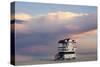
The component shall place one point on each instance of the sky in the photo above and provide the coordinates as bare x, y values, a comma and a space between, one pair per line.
38, 28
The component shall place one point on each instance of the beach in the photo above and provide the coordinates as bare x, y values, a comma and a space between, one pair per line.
79, 58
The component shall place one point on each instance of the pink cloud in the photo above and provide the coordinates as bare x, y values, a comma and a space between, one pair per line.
22, 58
54, 21
50, 49
86, 33
21, 26
72, 27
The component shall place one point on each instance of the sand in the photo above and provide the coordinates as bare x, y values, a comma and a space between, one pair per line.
79, 58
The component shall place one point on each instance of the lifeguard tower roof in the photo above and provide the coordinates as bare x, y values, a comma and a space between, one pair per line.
62, 41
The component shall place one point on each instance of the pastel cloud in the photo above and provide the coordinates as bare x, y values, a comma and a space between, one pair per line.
22, 28
88, 44
20, 22
87, 33
59, 16
38, 50
62, 15
22, 58
45, 30
87, 41
57, 20
22, 16
57, 27
72, 27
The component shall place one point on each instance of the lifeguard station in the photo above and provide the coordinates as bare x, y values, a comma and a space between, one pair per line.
66, 49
